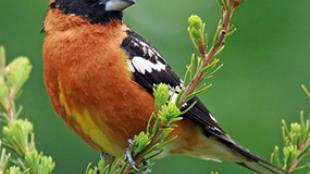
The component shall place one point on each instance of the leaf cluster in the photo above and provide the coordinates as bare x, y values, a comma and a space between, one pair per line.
296, 140
18, 154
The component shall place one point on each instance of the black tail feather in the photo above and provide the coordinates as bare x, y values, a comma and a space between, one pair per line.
251, 161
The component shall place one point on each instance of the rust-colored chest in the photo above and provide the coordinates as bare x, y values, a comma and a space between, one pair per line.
89, 83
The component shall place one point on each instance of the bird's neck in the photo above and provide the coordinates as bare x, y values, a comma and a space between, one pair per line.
94, 14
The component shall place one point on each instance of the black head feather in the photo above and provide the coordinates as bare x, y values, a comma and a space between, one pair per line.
92, 10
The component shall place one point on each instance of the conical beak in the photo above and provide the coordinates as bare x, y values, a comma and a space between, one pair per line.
117, 5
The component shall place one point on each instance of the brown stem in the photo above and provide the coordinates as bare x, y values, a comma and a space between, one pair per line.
301, 151
207, 57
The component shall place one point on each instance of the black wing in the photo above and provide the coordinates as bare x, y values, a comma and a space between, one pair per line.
149, 69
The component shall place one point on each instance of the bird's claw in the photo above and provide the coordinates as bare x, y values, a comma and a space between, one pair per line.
132, 162
129, 157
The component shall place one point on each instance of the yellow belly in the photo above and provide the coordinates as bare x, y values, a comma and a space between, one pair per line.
85, 126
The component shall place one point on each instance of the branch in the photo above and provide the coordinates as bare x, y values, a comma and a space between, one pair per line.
208, 56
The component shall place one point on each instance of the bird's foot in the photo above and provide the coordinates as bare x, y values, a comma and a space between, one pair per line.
130, 159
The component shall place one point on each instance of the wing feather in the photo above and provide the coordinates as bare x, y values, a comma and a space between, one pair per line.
150, 69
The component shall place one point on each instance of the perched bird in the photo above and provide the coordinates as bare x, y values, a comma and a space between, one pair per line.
100, 75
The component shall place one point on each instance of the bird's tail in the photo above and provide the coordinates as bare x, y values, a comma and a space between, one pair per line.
253, 162
262, 167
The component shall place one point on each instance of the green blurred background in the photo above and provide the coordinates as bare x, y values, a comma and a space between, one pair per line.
265, 63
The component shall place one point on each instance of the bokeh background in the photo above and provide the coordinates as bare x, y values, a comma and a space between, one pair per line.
265, 63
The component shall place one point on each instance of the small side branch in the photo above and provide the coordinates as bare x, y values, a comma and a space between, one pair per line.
207, 57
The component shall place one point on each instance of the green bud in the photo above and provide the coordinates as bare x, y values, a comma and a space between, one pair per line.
195, 33
32, 161
18, 134
102, 165
161, 95
101, 168
17, 73
196, 28
47, 165
169, 113
37, 163
295, 133
14, 170
295, 127
92, 171
141, 141
195, 21
290, 154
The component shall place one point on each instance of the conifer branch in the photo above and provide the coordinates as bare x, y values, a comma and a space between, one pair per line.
296, 138
17, 133
199, 40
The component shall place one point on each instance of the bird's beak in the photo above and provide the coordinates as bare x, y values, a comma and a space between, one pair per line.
117, 5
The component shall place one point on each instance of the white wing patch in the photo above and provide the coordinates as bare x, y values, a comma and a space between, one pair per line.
143, 65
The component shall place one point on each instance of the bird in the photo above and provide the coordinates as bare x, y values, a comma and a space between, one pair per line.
100, 75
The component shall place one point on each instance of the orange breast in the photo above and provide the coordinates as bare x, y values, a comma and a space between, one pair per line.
89, 83
90, 86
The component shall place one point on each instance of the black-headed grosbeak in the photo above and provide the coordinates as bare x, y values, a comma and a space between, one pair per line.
100, 76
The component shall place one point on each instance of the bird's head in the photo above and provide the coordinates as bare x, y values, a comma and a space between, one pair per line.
97, 11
